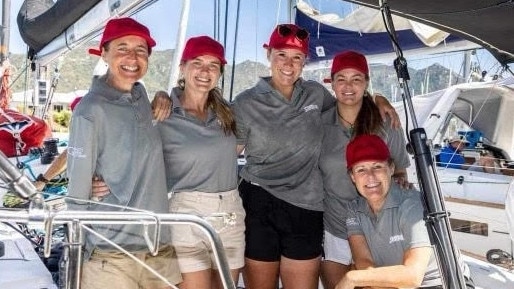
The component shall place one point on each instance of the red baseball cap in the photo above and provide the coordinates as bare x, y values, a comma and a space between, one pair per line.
289, 36
203, 45
120, 27
348, 59
366, 147
75, 102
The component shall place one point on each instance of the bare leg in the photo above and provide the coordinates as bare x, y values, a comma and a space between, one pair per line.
217, 280
260, 275
196, 280
300, 274
332, 273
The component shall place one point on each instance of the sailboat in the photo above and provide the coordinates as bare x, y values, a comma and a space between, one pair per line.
89, 19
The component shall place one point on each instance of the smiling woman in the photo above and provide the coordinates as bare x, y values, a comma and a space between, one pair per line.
387, 234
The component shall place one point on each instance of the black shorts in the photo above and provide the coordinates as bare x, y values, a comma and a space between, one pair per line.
275, 228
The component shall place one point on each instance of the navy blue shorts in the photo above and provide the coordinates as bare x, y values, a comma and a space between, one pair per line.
275, 228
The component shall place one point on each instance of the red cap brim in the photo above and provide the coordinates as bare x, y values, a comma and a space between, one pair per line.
95, 51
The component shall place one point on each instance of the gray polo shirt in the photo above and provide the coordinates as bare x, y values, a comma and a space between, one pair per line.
112, 137
339, 188
198, 155
283, 140
397, 227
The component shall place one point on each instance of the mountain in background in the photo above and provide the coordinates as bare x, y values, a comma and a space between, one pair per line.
77, 66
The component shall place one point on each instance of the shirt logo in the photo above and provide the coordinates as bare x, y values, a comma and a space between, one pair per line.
310, 107
397, 238
76, 152
351, 222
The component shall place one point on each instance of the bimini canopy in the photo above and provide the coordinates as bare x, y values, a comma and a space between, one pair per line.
489, 23
50, 29
40, 22
363, 30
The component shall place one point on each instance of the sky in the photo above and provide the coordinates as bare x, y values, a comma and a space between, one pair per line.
256, 21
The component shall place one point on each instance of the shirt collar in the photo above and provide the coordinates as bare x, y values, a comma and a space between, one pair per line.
103, 88
264, 86
175, 95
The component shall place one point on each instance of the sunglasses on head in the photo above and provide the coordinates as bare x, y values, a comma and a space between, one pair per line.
286, 30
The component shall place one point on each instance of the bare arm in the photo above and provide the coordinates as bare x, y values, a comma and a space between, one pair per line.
408, 274
56, 167
360, 252
386, 109
161, 105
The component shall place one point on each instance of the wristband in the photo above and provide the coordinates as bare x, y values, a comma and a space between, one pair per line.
41, 178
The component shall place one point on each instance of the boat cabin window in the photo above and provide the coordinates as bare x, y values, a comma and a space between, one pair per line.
469, 227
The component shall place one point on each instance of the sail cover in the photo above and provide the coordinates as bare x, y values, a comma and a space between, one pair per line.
40, 21
489, 23
363, 30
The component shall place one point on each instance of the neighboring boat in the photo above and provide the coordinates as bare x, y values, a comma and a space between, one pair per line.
475, 200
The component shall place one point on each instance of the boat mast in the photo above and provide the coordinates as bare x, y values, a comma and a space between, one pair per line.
5, 36
181, 36
466, 65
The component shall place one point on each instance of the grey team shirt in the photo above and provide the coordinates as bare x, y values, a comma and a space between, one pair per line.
283, 140
198, 155
339, 188
398, 226
112, 137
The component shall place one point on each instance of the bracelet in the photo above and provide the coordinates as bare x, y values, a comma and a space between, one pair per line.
41, 178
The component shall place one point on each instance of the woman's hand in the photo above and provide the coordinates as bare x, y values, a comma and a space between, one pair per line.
386, 109
39, 185
99, 190
161, 105
400, 177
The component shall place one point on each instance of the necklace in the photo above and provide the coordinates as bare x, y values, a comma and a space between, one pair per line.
351, 125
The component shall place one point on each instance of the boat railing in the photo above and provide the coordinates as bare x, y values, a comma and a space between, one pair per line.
40, 214
77, 223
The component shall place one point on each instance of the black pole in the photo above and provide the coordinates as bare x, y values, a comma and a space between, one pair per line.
436, 215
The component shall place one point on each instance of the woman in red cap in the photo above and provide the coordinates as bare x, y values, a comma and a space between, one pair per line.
112, 137
201, 165
354, 114
279, 126
200, 158
386, 228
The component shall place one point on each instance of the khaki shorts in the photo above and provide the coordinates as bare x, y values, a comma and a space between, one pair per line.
192, 245
108, 269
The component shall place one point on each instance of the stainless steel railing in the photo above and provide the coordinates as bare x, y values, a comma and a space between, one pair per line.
78, 221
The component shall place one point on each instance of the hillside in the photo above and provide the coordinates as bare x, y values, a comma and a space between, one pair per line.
77, 67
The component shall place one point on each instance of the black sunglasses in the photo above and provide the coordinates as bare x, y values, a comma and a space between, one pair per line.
286, 30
